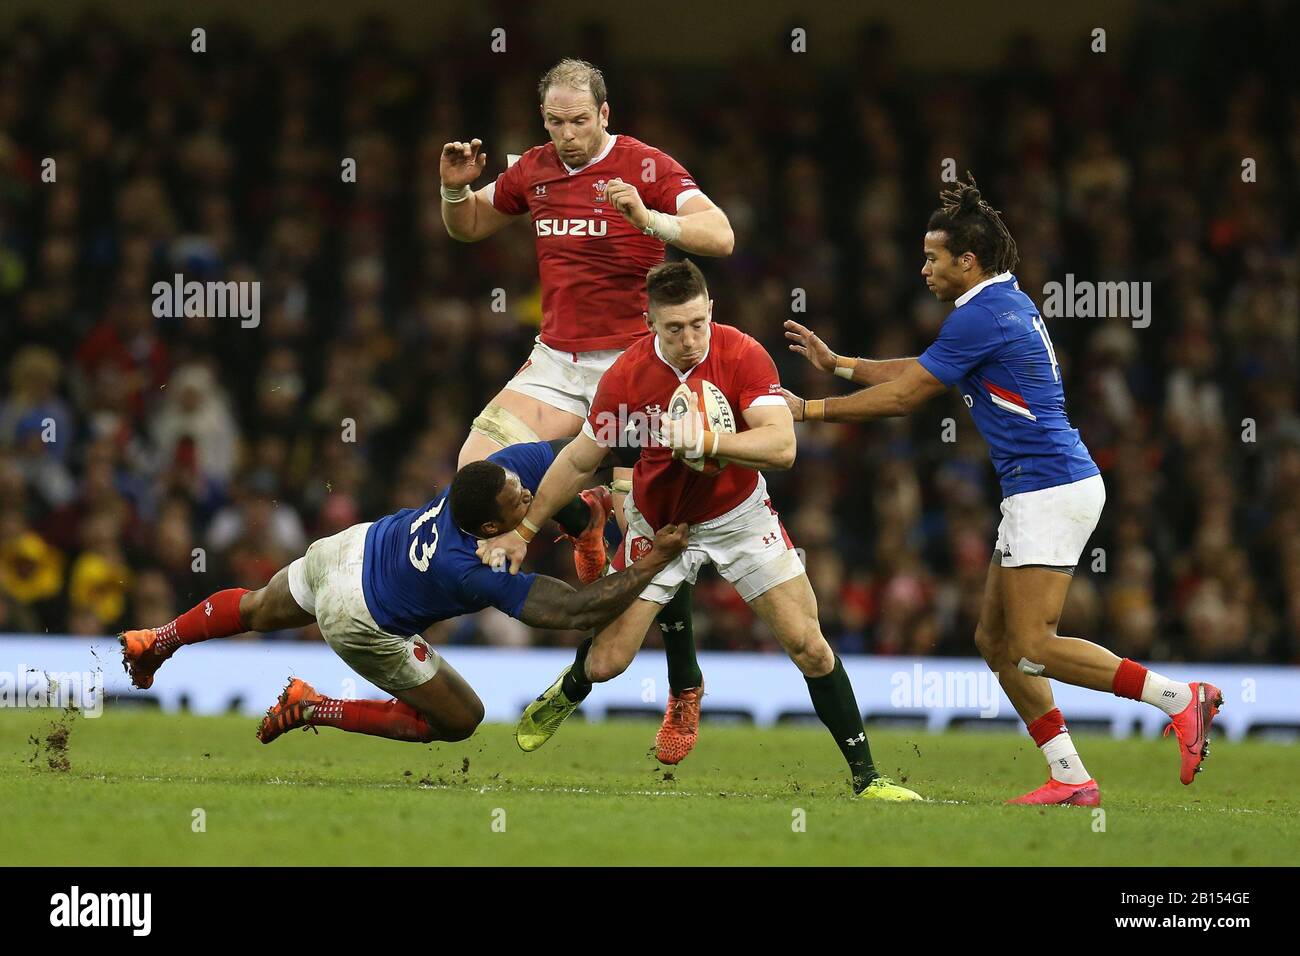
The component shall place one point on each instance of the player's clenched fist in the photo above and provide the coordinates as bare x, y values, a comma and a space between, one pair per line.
625, 198
671, 540
461, 163
685, 435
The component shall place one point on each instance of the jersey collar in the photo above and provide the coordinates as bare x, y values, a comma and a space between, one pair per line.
682, 376
595, 159
977, 289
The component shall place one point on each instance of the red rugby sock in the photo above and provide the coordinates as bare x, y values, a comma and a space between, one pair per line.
1129, 678
218, 616
1047, 726
378, 718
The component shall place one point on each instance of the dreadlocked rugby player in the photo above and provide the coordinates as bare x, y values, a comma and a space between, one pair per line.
375, 587
700, 465
995, 348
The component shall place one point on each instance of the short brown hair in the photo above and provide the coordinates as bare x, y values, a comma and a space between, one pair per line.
576, 75
672, 283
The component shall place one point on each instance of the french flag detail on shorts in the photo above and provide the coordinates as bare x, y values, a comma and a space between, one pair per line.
1009, 400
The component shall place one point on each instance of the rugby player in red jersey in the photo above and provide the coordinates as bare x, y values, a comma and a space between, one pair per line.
602, 207
676, 480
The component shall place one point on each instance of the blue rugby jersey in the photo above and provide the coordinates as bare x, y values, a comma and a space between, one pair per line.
419, 568
995, 348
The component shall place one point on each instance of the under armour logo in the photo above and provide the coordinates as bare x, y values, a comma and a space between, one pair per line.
679, 626
207, 608
539, 190
859, 739
769, 538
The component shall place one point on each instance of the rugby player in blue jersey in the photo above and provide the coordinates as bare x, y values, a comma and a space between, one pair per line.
374, 587
995, 349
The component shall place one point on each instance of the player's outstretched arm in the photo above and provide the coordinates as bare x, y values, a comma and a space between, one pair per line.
573, 469
469, 216
901, 396
860, 371
553, 604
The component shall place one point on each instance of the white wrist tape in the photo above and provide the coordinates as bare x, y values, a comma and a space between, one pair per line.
457, 194
844, 371
663, 227
698, 450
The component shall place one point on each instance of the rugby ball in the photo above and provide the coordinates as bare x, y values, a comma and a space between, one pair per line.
718, 417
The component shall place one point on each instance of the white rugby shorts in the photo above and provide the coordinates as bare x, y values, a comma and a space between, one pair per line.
563, 380
326, 581
748, 545
1050, 526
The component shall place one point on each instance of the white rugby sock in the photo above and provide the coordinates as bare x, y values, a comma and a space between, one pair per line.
1064, 761
1171, 696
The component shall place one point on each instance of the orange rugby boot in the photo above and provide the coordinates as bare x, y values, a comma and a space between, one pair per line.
589, 556
681, 726
290, 712
141, 656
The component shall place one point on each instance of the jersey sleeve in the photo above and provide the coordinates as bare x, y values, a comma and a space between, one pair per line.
482, 587
759, 383
968, 337
507, 192
670, 186
603, 423
528, 460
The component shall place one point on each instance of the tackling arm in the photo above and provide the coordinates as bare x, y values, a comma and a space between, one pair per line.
553, 604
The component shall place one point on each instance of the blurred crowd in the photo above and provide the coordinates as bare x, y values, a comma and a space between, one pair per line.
146, 462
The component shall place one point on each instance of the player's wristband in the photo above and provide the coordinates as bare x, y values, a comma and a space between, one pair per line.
844, 366
457, 194
528, 532
814, 410
714, 453
663, 227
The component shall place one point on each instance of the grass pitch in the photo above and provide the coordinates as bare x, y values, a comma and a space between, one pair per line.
134, 782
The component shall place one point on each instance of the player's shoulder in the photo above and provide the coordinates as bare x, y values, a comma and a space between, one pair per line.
731, 341
630, 144
536, 159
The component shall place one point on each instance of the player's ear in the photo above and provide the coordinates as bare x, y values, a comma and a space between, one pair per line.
490, 529
649, 323
604, 115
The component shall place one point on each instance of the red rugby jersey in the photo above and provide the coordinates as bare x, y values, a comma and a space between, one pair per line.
591, 260
636, 389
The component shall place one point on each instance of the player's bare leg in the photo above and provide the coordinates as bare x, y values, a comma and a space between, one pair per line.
444, 707
1068, 781
599, 658
513, 417
228, 612
790, 611
1033, 598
